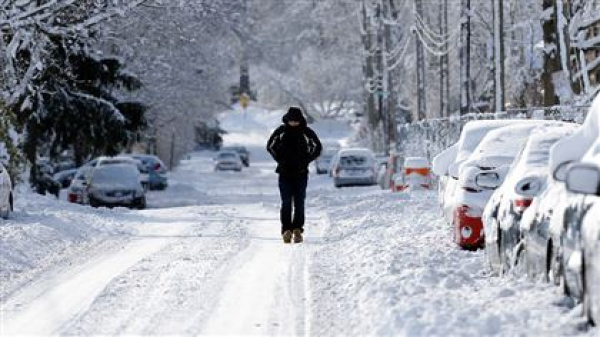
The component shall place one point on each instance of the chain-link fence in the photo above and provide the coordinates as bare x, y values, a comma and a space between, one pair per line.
429, 137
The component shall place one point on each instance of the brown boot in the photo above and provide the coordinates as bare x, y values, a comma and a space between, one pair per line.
298, 236
287, 237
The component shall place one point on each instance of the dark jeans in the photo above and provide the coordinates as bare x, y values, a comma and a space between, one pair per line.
293, 192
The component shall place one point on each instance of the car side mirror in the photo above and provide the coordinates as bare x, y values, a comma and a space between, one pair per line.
560, 173
487, 180
529, 186
583, 178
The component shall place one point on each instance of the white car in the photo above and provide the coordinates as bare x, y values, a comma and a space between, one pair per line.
143, 170
354, 166
76, 192
526, 180
228, 161
6, 196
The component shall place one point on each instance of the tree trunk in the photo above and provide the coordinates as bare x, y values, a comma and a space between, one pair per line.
465, 57
421, 86
499, 99
551, 62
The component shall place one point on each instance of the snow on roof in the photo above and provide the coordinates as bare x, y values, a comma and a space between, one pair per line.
416, 162
575, 146
536, 153
355, 151
500, 147
474, 131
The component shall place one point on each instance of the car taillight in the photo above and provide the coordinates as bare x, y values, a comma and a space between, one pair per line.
466, 210
156, 166
520, 205
72, 197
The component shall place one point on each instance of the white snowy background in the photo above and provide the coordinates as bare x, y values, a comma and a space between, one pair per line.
206, 258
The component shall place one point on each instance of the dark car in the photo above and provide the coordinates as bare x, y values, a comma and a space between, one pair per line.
116, 185
242, 151
65, 177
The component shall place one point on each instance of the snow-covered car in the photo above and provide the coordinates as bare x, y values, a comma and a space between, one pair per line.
448, 166
440, 165
481, 174
323, 162
76, 191
116, 185
354, 166
527, 178
571, 160
65, 177
123, 159
6, 194
590, 233
581, 234
242, 151
228, 161
157, 170
415, 175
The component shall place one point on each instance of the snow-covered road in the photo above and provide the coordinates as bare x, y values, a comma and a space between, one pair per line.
207, 258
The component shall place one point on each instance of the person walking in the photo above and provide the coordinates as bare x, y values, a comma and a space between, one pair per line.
293, 145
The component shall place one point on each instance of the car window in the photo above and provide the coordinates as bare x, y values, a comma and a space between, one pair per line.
353, 161
115, 174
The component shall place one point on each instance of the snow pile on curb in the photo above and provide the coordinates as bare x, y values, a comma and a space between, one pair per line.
43, 231
388, 267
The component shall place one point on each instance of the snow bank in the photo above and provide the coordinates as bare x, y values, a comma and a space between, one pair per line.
388, 266
42, 232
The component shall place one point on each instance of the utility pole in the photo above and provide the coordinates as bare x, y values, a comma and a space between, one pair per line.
441, 60
172, 156
382, 79
499, 100
244, 63
465, 57
446, 61
391, 102
421, 86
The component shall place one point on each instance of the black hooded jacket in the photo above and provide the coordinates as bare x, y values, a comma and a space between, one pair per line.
294, 147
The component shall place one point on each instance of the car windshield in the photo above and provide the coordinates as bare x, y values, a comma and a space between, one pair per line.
354, 161
227, 155
116, 175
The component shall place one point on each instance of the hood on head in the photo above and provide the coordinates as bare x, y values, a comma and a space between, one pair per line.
294, 114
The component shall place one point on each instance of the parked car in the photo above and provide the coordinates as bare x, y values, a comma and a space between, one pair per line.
242, 151
590, 235
527, 179
481, 174
415, 175
76, 192
439, 167
447, 165
323, 162
116, 185
228, 161
157, 171
6, 193
65, 177
355, 166
124, 159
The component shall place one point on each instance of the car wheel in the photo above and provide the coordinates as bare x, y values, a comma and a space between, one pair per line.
142, 203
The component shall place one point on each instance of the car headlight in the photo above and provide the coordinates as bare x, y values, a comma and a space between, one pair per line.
466, 232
